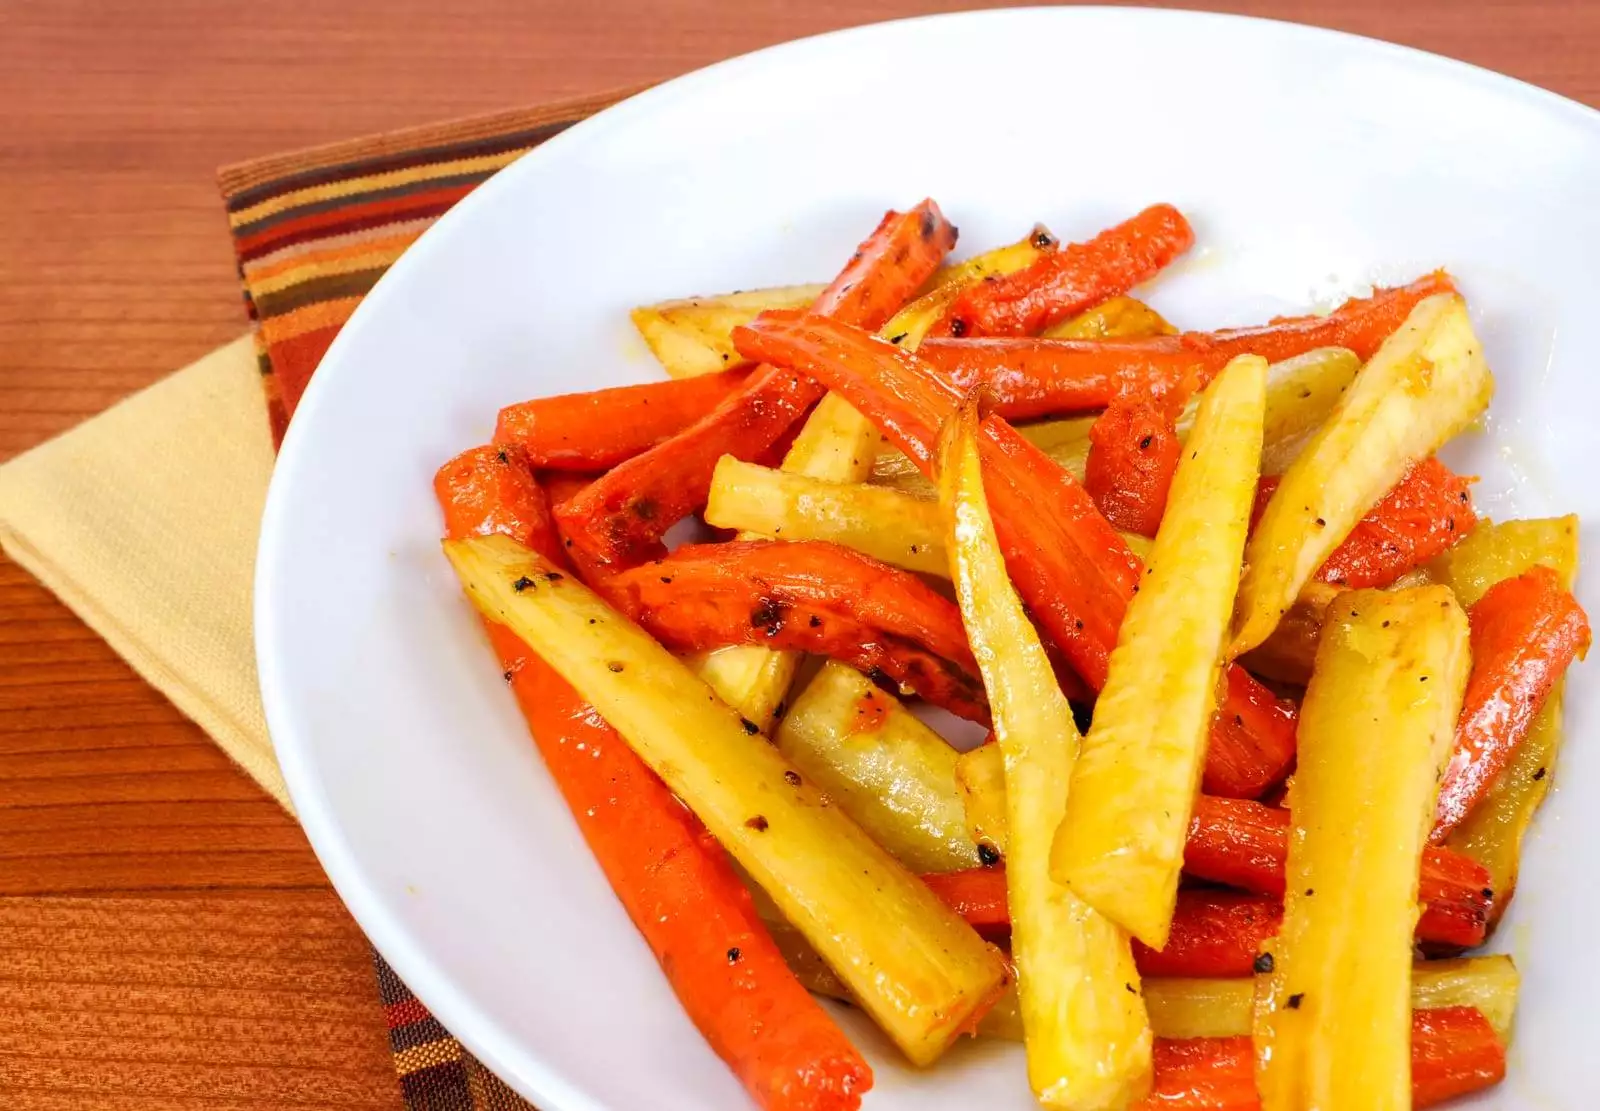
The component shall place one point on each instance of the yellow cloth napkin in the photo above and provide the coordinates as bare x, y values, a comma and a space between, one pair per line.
144, 520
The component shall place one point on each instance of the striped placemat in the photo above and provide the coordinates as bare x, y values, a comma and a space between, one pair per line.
313, 231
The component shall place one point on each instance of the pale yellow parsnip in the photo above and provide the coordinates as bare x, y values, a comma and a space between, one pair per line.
1120, 846
981, 780
1426, 383
1087, 1038
877, 760
694, 336
915, 967
1376, 727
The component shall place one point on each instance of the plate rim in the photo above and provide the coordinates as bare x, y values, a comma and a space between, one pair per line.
521, 1067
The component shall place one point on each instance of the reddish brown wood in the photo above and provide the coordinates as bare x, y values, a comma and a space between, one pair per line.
115, 268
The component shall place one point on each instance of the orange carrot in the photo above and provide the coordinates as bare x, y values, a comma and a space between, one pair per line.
601, 428
676, 884
1217, 933
1029, 377
618, 521
1245, 844
1133, 454
1076, 277
1525, 631
977, 894
1070, 566
1454, 1051
1424, 513
811, 596
564, 485
1214, 933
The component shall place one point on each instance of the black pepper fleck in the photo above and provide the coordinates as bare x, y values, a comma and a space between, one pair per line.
615, 666
501, 455
733, 955
750, 727
792, 778
1263, 964
1295, 1000
522, 584
758, 823
553, 576
815, 622
897, 339
1144, 444
987, 856
1538, 775
958, 327
1488, 893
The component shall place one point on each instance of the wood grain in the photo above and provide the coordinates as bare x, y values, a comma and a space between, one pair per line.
244, 986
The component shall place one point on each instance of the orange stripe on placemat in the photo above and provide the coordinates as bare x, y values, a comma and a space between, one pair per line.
333, 245
360, 254
445, 1051
360, 214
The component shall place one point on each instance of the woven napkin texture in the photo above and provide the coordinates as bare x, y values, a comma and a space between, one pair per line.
144, 519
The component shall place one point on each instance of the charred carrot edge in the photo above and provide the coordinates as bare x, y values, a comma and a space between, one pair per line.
1245, 844
596, 430
1425, 513
810, 596
1525, 632
1454, 1051
1133, 454
674, 881
1071, 567
1029, 377
618, 521
1076, 277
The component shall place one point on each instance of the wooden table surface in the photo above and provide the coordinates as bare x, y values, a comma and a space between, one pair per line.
167, 939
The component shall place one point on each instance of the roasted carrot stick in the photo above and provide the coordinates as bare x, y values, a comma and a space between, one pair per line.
674, 881
596, 430
977, 894
1214, 933
618, 521
811, 596
564, 485
1133, 454
1525, 631
1028, 377
1425, 513
1252, 739
1245, 844
1071, 567
1454, 1051
1074, 278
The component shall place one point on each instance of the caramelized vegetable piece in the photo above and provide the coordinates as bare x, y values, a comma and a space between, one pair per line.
916, 968
1245, 844
891, 773
837, 444
1492, 833
1426, 383
618, 521
1425, 513
1087, 1039
811, 597
1213, 933
1375, 731
1118, 318
675, 883
1120, 847
1453, 1051
1027, 377
1070, 566
691, 337
1073, 278
1525, 631
1133, 455
599, 429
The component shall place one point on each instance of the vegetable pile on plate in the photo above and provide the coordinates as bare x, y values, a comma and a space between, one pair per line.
1322, 695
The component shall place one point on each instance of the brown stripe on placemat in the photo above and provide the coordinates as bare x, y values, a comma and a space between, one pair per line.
313, 231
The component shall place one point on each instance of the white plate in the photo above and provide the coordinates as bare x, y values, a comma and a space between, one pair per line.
1311, 163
